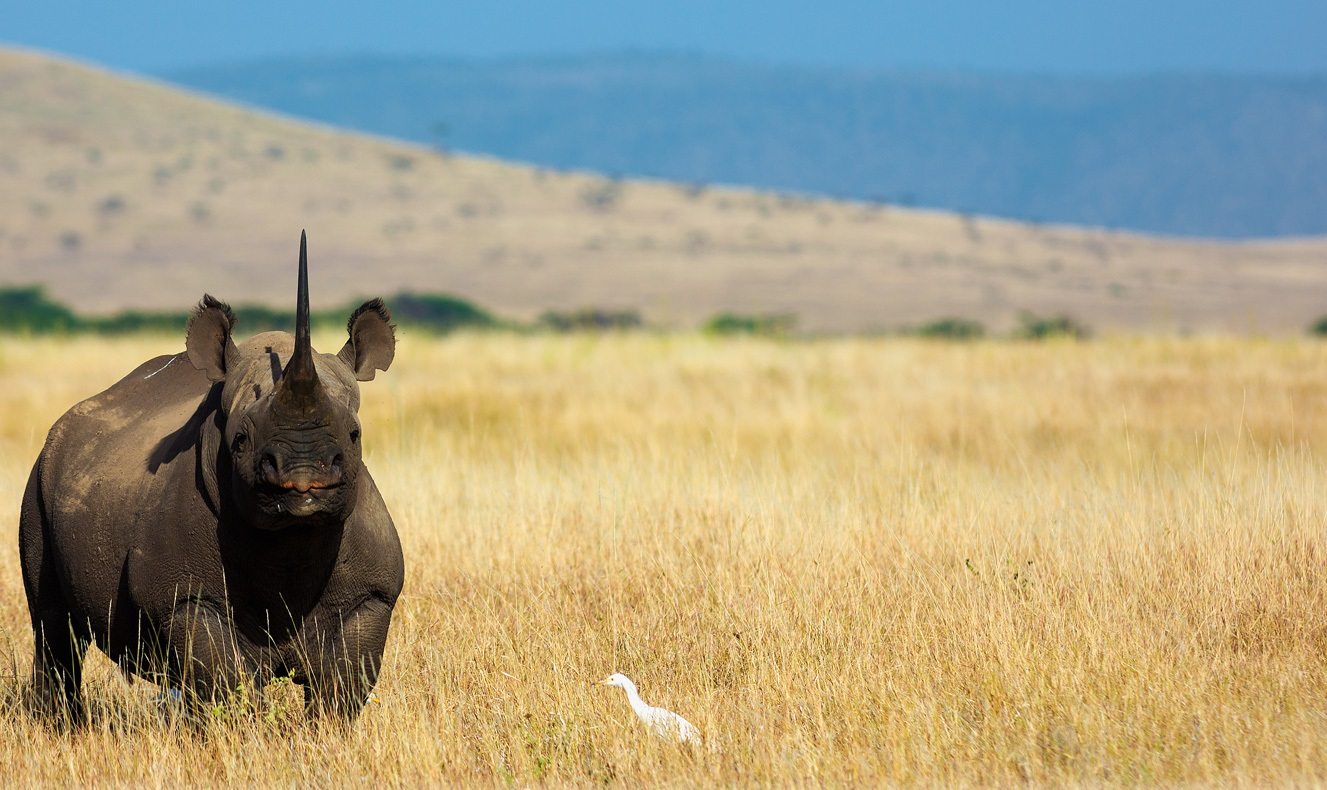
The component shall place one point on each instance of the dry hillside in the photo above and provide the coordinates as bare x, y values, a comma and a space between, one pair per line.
119, 192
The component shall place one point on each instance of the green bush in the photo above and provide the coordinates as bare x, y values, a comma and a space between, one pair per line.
139, 321
1319, 327
438, 312
26, 309
1034, 327
258, 318
951, 329
590, 319
772, 324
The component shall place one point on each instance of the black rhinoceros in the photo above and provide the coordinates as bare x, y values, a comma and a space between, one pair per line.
208, 521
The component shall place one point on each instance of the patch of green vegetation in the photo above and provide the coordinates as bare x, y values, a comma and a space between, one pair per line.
26, 309
1319, 327
135, 321
1034, 327
950, 329
258, 318
439, 312
590, 319
768, 324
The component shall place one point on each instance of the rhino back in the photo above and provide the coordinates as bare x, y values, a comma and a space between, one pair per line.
117, 476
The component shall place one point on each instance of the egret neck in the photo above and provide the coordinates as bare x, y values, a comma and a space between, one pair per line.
633, 696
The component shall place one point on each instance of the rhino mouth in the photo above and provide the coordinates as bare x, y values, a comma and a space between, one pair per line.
300, 480
300, 499
294, 487
300, 505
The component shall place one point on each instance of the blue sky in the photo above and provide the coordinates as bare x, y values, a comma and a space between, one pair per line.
1038, 36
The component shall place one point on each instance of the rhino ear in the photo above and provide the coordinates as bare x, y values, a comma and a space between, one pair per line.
208, 338
372, 343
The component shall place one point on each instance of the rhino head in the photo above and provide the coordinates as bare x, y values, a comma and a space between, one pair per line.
291, 433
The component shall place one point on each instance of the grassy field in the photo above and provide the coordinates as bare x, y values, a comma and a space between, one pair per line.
847, 561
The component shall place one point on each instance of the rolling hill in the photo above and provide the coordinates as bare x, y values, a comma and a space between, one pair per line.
121, 192
1206, 155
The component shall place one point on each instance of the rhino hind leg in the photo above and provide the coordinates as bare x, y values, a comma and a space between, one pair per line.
59, 640
57, 668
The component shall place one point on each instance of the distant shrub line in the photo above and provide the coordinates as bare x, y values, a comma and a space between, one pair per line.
1035, 327
589, 319
27, 309
770, 324
950, 329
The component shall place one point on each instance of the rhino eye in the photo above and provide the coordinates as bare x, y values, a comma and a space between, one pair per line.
240, 444
354, 435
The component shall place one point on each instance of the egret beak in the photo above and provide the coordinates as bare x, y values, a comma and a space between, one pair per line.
605, 682
373, 699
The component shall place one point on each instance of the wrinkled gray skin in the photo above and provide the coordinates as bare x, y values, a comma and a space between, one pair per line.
207, 521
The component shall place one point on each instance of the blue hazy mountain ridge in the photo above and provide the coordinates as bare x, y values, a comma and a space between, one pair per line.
1205, 155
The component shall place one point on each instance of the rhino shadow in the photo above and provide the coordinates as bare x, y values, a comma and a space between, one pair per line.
186, 437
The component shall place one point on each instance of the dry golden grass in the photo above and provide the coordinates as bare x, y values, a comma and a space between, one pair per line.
848, 562
116, 192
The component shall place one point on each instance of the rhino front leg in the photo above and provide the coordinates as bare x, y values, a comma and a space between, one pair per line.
343, 659
204, 656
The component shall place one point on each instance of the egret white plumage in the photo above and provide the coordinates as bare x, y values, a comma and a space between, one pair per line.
661, 722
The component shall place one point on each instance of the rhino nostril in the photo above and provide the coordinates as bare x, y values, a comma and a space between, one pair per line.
268, 468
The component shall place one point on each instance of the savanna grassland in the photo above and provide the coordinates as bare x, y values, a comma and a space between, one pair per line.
847, 561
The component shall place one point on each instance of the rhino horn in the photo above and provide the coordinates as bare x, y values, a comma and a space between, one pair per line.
299, 381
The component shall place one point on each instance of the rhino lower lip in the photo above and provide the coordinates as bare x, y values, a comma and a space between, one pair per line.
293, 503
298, 504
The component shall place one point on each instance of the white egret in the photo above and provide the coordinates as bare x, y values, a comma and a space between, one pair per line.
661, 722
